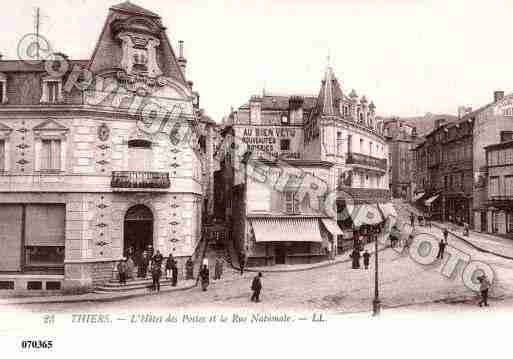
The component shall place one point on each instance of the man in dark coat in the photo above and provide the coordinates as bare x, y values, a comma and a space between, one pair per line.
174, 273
412, 220
122, 271
189, 269
144, 262
366, 259
242, 263
205, 277
256, 287
218, 269
156, 273
441, 249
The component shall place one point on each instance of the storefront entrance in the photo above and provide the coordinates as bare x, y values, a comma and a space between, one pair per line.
280, 253
138, 230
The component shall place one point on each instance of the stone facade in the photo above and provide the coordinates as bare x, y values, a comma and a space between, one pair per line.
100, 150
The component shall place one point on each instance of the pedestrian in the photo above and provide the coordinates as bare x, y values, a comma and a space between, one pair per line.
242, 262
122, 271
205, 277
366, 259
158, 258
441, 248
256, 287
465, 229
412, 220
484, 286
144, 261
356, 259
408, 241
156, 273
169, 265
130, 267
189, 269
218, 271
446, 233
419, 219
174, 274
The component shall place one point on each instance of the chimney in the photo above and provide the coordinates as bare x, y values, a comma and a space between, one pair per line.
498, 95
182, 62
255, 110
296, 109
439, 122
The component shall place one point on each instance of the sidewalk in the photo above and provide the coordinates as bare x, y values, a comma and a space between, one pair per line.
483, 242
281, 268
95, 296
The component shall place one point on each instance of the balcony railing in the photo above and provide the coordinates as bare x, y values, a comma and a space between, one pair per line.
139, 179
369, 161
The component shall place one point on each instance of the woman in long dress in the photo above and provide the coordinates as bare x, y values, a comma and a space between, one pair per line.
205, 277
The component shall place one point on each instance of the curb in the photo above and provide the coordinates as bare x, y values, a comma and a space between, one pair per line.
323, 265
99, 299
473, 245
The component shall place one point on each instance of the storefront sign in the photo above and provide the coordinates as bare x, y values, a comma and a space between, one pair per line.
276, 141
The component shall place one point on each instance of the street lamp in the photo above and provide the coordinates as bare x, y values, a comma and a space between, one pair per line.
376, 302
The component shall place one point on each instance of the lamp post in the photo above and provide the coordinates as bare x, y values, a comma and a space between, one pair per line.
376, 302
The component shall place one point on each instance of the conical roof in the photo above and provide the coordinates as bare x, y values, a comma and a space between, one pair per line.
330, 94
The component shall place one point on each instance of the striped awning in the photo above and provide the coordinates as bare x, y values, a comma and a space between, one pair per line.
332, 226
388, 209
429, 201
365, 214
286, 229
418, 196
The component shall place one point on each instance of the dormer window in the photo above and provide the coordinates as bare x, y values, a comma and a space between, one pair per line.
3, 88
52, 90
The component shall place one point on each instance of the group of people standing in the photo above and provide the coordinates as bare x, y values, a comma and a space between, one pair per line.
152, 263
204, 274
356, 255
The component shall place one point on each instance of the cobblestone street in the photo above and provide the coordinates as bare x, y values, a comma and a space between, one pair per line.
336, 288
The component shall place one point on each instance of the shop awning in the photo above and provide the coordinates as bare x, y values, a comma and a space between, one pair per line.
429, 201
286, 229
418, 196
365, 214
332, 226
388, 209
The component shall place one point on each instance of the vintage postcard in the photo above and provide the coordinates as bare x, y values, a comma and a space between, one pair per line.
239, 176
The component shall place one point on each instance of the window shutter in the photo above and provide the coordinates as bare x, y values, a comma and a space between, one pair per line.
44, 225
56, 154
45, 154
2, 155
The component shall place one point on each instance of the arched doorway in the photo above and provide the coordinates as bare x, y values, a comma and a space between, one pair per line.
138, 230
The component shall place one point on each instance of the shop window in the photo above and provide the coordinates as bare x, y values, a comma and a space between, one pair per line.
6, 285
45, 232
53, 285
51, 155
34, 285
284, 144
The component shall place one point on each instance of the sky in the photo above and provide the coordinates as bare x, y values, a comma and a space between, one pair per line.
409, 57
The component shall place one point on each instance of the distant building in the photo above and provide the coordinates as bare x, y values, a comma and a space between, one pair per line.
499, 184
277, 149
443, 171
493, 124
401, 138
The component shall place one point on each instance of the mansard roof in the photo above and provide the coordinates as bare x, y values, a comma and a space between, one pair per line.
133, 9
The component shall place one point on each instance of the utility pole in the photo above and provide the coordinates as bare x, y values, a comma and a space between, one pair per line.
37, 32
375, 302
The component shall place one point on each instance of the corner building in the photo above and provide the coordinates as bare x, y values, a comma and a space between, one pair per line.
275, 146
86, 174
